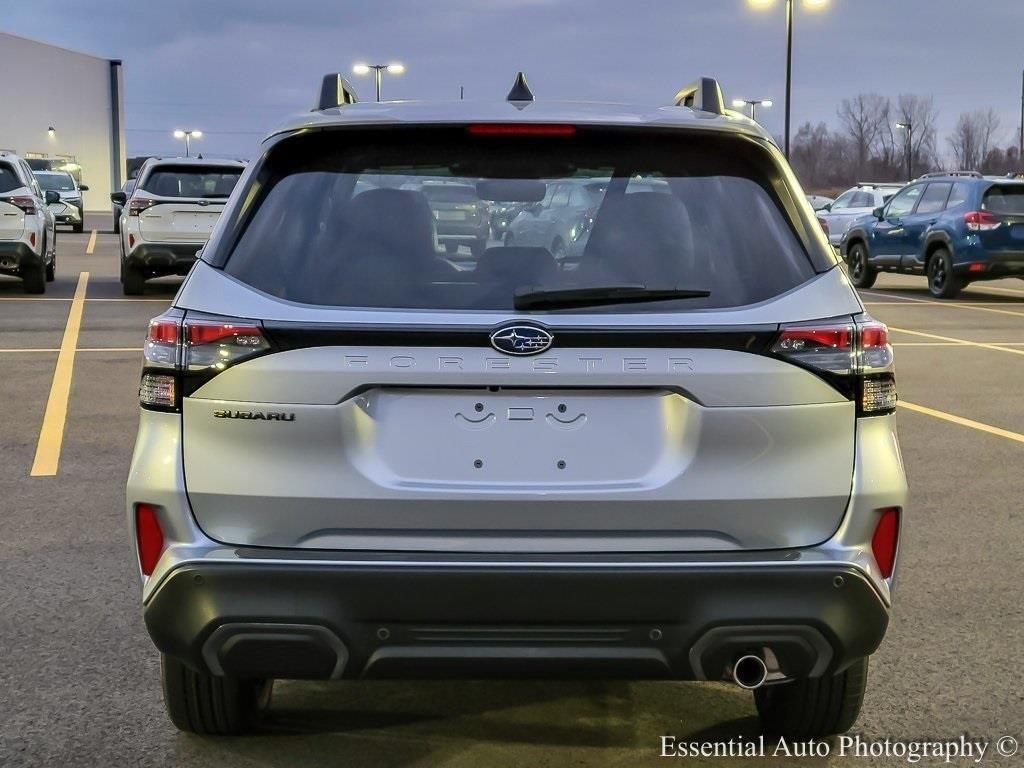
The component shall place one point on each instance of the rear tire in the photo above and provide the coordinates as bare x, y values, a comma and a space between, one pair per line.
218, 706
78, 228
51, 270
132, 281
942, 283
813, 708
862, 274
34, 279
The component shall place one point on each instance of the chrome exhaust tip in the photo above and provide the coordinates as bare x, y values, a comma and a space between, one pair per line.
750, 672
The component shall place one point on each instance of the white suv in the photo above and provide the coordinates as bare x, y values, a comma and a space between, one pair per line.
28, 240
170, 215
852, 204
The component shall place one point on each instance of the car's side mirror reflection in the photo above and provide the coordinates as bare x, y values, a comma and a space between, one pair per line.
120, 198
83, 187
878, 213
52, 197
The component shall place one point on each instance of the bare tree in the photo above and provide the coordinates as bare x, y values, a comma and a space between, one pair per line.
974, 138
863, 118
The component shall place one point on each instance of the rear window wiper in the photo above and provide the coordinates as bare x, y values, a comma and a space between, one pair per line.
600, 295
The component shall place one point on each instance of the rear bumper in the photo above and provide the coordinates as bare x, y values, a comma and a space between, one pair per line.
379, 618
157, 259
15, 255
989, 265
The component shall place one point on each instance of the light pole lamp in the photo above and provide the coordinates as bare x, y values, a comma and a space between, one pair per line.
378, 70
810, 5
908, 126
753, 104
188, 136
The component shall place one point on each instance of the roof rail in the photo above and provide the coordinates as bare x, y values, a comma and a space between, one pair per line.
704, 94
881, 184
335, 91
940, 174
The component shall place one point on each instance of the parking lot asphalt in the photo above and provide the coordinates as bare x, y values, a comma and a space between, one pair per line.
79, 681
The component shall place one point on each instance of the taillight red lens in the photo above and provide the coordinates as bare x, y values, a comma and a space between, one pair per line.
521, 129
216, 344
32, 239
27, 203
981, 221
149, 537
885, 541
138, 204
163, 331
809, 339
206, 333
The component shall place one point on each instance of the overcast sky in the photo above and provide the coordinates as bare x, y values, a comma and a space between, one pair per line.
235, 68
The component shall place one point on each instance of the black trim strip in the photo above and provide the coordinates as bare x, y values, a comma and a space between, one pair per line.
284, 336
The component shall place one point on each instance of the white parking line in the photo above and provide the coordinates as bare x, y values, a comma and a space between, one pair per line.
959, 342
971, 423
952, 305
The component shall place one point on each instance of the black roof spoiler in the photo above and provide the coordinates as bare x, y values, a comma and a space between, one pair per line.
704, 94
335, 91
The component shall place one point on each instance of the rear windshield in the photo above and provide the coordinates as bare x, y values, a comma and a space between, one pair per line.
8, 178
191, 181
55, 182
1008, 199
345, 222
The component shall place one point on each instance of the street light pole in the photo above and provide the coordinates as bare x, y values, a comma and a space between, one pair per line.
789, 70
753, 104
187, 136
908, 126
378, 72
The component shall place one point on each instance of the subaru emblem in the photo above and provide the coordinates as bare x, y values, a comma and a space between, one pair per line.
521, 340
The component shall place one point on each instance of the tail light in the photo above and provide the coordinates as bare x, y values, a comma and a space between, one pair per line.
182, 353
824, 225
27, 203
981, 221
855, 357
138, 204
149, 537
885, 541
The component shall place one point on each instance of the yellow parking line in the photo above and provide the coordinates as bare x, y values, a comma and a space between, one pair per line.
51, 434
964, 342
953, 305
92, 243
1016, 436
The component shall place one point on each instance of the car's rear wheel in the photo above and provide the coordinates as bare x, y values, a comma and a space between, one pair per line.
862, 274
51, 270
942, 283
813, 708
200, 703
34, 278
132, 281
78, 228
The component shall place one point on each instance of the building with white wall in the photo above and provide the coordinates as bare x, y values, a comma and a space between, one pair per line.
62, 103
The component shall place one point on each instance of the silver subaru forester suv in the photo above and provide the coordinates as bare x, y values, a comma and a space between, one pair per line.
672, 456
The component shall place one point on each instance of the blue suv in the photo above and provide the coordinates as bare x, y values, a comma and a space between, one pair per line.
955, 228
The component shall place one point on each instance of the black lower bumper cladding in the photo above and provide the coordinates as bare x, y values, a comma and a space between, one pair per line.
318, 622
